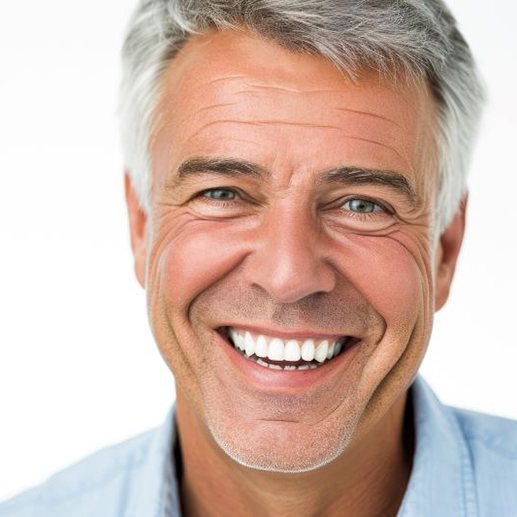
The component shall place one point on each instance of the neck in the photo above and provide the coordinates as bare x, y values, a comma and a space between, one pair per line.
368, 479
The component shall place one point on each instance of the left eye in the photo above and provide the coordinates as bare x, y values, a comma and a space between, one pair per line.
362, 206
220, 194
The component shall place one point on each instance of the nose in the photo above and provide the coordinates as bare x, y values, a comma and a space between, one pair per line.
288, 261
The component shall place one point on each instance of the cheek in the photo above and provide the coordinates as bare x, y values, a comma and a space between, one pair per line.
198, 256
389, 276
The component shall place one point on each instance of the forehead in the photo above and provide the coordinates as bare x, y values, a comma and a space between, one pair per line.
235, 94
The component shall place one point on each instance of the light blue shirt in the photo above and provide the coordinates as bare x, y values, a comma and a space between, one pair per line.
465, 464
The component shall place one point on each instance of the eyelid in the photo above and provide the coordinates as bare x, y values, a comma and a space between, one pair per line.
239, 196
227, 189
386, 207
378, 207
201, 193
239, 200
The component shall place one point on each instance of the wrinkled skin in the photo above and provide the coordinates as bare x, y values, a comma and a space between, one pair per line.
285, 252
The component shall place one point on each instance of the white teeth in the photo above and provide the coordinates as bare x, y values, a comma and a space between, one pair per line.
237, 339
322, 351
276, 350
308, 350
261, 347
249, 344
292, 351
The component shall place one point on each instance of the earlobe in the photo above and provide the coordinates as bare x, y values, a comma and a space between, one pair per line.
137, 229
447, 255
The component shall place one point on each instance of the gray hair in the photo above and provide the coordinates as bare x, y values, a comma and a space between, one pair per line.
416, 39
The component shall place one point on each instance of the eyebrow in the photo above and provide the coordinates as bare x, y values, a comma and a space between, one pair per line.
224, 167
364, 176
342, 175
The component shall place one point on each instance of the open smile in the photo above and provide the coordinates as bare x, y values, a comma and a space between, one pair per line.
286, 353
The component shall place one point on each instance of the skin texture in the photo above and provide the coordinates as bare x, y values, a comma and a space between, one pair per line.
286, 254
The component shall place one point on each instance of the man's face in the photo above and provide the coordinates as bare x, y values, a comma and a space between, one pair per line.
296, 206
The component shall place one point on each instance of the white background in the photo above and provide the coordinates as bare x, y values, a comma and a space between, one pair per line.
78, 366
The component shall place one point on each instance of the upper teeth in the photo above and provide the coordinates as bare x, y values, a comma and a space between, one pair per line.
277, 349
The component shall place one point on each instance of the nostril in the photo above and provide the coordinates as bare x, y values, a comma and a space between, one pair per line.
290, 273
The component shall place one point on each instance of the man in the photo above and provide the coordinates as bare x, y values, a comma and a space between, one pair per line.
296, 196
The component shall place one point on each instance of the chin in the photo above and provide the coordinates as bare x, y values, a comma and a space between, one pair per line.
284, 447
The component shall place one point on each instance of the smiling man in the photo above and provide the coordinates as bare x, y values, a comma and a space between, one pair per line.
296, 196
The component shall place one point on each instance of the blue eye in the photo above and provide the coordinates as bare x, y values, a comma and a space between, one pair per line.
219, 194
363, 206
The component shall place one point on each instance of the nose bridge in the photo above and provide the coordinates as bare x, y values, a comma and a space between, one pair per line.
289, 260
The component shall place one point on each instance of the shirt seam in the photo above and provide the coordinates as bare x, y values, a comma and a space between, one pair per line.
467, 468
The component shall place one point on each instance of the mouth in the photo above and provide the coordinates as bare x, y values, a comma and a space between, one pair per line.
290, 354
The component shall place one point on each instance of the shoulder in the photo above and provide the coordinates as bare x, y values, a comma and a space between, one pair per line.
96, 482
492, 445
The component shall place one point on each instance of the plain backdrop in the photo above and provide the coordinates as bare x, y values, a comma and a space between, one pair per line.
78, 365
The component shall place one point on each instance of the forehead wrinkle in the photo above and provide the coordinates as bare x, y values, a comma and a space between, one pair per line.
214, 106
293, 124
204, 109
379, 144
225, 78
274, 87
368, 114
303, 92
262, 123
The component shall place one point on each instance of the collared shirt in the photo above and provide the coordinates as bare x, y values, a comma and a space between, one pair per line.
465, 464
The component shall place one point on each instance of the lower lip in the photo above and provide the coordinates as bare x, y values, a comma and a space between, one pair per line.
265, 378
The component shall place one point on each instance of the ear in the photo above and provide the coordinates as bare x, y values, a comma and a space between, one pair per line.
449, 246
137, 229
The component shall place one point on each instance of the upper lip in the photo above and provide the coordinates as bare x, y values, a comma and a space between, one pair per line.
291, 334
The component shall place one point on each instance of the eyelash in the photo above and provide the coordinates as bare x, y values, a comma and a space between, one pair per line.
225, 203
379, 208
